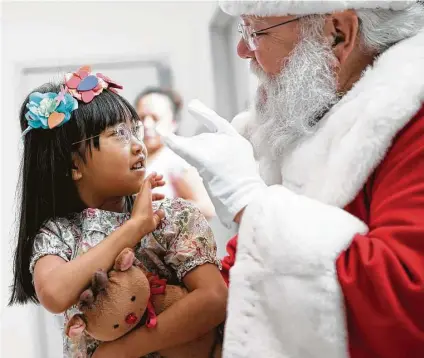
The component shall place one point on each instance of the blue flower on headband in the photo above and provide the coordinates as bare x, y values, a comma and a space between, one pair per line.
49, 110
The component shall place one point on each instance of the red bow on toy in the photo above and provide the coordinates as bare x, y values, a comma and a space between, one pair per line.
157, 287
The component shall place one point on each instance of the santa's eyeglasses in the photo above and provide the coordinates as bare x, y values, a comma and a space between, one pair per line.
250, 37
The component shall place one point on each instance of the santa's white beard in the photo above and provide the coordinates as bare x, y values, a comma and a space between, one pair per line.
288, 106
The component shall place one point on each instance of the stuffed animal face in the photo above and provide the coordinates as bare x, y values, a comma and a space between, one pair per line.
119, 307
115, 303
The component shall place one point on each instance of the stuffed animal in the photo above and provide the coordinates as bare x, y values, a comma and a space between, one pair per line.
128, 297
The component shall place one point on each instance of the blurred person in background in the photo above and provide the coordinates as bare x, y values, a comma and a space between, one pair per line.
160, 108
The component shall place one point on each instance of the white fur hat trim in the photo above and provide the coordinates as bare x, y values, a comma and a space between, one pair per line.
264, 8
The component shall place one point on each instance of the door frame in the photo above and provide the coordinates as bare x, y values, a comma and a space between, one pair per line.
223, 74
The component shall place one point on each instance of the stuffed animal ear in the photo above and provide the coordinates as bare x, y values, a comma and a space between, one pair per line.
75, 327
86, 299
99, 281
125, 260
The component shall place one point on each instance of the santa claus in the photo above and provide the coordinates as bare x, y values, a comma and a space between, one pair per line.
330, 253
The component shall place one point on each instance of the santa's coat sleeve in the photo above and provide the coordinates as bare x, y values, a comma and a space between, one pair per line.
382, 273
284, 298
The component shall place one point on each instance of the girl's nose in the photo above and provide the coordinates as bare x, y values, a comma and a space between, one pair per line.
138, 147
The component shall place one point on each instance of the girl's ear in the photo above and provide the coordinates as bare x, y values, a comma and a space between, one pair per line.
76, 167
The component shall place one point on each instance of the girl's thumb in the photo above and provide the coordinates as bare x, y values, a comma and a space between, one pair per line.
158, 215
147, 184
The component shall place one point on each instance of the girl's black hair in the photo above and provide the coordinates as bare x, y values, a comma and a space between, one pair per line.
47, 190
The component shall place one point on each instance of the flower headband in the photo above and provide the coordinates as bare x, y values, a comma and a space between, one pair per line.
50, 110
84, 86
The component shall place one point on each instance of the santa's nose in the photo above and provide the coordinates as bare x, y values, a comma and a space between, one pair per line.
131, 318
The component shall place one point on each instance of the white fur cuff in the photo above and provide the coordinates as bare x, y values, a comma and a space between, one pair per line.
285, 300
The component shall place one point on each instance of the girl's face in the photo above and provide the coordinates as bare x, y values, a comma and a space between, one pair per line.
115, 170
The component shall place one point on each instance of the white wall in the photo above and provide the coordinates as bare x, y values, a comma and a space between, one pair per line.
246, 82
57, 31
235, 84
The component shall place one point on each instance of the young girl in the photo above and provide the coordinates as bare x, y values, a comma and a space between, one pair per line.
83, 161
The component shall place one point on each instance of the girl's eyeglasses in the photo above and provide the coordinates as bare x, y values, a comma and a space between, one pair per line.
123, 133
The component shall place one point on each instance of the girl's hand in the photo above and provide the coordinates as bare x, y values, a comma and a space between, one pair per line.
157, 181
142, 213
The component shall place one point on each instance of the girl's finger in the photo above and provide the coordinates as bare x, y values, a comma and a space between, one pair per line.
148, 185
158, 183
158, 215
140, 190
151, 177
157, 196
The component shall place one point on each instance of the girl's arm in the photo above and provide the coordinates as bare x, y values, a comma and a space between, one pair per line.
59, 283
196, 314
192, 254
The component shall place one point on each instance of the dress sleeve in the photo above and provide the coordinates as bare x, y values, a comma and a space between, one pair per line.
49, 241
84, 347
190, 241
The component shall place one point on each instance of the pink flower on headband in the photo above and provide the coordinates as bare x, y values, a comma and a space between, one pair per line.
112, 84
84, 86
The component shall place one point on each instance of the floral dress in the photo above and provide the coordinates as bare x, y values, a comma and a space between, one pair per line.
182, 242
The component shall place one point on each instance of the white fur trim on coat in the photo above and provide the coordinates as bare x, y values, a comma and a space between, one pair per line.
304, 7
284, 299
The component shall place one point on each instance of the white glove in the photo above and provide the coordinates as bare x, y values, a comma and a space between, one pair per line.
225, 162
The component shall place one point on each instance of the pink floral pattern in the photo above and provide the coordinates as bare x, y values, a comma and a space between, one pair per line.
182, 242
